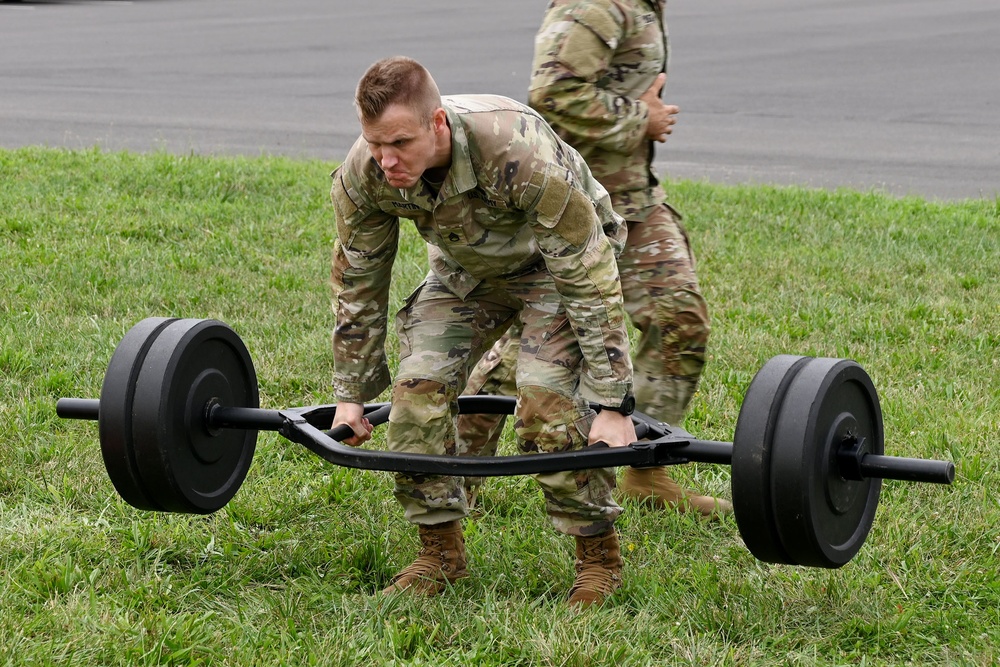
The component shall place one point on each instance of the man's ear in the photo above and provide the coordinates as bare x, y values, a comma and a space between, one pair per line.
439, 120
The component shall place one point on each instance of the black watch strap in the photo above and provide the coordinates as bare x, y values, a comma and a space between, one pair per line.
626, 408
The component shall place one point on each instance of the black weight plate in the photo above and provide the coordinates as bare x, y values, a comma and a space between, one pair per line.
115, 413
751, 464
822, 518
186, 465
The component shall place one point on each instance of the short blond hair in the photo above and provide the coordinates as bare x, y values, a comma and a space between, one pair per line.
396, 80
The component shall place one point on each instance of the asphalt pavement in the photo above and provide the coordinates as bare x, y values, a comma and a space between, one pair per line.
900, 96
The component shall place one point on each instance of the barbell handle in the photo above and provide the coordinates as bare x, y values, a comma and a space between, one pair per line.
376, 417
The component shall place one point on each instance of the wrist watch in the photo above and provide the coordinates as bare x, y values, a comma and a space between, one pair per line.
626, 408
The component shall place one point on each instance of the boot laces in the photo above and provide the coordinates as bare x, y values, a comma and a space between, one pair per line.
593, 572
592, 553
431, 558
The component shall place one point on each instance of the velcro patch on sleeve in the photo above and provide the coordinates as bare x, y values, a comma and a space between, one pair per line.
600, 21
553, 199
587, 46
565, 210
583, 54
343, 203
345, 208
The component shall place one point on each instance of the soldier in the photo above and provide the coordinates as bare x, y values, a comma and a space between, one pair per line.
518, 230
598, 69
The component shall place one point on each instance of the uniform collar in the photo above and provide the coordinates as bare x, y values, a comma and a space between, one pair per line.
461, 175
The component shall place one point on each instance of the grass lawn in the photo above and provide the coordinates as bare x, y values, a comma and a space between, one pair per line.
92, 242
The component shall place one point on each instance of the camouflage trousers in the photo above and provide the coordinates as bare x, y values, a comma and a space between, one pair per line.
665, 305
441, 336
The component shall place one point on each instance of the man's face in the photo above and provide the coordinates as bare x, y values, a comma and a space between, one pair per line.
402, 143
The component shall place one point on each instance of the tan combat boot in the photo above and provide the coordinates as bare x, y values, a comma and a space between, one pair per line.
654, 486
598, 569
441, 561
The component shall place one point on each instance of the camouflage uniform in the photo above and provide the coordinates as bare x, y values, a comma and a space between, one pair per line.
593, 60
519, 231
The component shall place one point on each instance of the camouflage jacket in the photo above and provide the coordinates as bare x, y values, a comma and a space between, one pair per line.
516, 198
593, 59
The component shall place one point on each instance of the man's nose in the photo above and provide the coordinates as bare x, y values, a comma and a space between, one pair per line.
388, 159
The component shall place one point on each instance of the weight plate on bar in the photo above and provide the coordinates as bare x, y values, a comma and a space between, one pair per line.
822, 518
115, 411
187, 465
752, 452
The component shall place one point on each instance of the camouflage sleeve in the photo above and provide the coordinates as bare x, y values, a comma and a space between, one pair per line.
362, 268
582, 262
573, 50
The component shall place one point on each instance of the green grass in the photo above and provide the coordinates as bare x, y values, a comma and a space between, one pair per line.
91, 243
